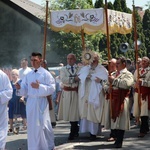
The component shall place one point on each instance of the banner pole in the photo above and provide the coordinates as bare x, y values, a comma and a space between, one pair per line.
45, 32
83, 39
108, 51
136, 53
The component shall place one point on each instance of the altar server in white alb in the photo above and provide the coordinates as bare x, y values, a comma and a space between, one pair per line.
5, 96
36, 85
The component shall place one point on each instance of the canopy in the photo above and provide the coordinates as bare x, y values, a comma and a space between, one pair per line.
91, 21
118, 22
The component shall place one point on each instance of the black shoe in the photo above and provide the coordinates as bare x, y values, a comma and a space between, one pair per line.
76, 135
10, 130
71, 137
92, 137
131, 116
119, 145
53, 124
141, 135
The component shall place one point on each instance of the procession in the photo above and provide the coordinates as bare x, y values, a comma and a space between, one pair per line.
89, 99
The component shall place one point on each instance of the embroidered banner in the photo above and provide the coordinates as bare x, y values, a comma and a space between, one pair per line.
118, 22
91, 20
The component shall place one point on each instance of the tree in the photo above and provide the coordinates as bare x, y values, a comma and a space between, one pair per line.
124, 6
64, 43
117, 5
146, 30
99, 4
140, 34
69, 42
116, 39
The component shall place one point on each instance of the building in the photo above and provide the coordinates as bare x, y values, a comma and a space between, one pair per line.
21, 32
140, 11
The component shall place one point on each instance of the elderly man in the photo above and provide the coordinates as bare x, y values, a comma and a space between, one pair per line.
91, 96
107, 117
69, 101
24, 68
121, 82
5, 95
37, 85
144, 96
23, 71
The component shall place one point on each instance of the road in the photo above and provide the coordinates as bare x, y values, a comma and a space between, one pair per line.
61, 131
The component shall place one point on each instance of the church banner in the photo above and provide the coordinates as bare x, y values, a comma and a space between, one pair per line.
118, 22
90, 20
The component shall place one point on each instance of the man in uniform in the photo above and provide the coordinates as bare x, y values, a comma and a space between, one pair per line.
121, 82
144, 96
107, 117
69, 101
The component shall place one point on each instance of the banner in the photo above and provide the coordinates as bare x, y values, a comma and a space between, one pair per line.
91, 20
118, 22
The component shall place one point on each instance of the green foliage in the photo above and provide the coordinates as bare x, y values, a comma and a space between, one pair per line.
64, 43
99, 4
146, 30
124, 6
117, 5
116, 39
110, 5
70, 4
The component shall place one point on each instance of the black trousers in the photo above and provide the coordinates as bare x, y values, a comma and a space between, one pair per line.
113, 133
144, 128
74, 128
119, 136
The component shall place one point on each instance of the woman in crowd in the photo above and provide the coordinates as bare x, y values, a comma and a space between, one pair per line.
16, 107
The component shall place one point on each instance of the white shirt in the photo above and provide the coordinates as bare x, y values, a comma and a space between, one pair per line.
24, 72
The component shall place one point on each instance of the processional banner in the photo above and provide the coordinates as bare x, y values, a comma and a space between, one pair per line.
90, 20
118, 22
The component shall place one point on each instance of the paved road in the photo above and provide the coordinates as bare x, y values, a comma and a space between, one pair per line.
61, 131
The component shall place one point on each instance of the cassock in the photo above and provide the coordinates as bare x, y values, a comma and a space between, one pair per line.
5, 95
39, 130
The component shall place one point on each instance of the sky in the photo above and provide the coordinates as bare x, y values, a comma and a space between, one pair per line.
141, 3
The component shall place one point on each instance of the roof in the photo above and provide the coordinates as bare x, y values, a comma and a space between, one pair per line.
29, 9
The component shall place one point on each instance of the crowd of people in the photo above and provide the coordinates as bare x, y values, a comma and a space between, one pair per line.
94, 96
88, 95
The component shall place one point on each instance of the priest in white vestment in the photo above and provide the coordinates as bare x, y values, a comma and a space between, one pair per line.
91, 97
5, 95
37, 85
